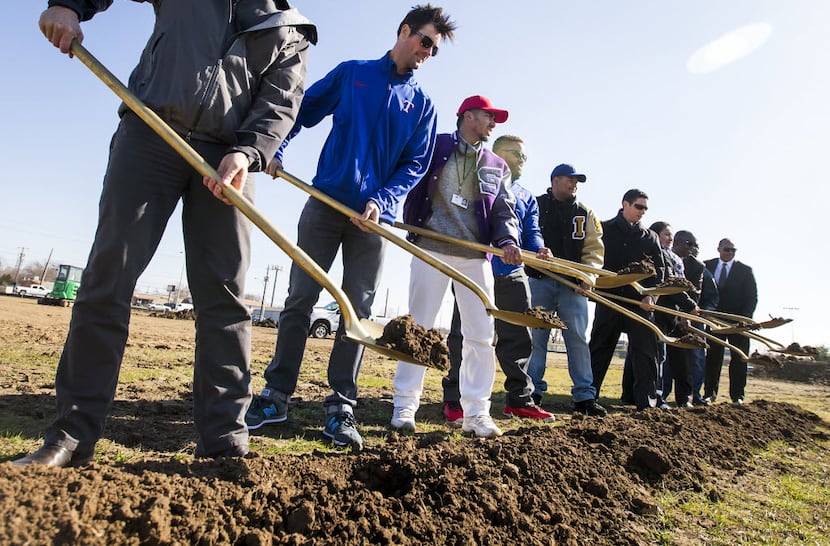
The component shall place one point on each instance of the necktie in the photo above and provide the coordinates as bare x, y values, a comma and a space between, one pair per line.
722, 276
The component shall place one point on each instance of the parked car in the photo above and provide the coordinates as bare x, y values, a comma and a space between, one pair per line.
34, 291
157, 307
324, 320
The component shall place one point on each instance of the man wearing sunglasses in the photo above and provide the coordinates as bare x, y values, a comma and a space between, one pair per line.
380, 145
738, 295
627, 241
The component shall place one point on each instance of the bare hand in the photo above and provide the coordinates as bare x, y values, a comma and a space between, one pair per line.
583, 288
60, 25
544, 254
234, 171
512, 254
646, 303
370, 214
273, 166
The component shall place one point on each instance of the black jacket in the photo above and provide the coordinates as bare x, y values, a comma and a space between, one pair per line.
739, 294
624, 244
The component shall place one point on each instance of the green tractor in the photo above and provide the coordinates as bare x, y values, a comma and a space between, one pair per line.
65, 288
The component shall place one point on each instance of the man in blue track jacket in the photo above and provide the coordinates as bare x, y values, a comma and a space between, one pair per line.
380, 145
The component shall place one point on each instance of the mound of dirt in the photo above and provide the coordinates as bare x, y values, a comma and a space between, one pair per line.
588, 481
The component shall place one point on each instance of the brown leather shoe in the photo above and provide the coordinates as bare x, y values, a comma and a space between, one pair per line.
54, 455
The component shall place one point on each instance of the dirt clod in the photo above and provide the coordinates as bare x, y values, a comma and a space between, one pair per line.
681, 282
404, 335
547, 316
644, 266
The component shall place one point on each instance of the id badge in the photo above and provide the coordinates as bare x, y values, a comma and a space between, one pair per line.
459, 201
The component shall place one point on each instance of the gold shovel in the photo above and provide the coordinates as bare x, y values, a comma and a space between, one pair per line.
593, 295
362, 331
520, 319
692, 329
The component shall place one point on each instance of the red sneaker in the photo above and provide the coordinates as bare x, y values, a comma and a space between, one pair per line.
530, 411
453, 413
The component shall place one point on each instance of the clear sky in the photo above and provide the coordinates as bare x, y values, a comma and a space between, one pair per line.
724, 130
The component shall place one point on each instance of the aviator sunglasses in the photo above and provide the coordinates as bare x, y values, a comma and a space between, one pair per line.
427, 43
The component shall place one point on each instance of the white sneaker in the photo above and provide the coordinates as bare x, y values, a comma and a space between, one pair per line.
403, 419
481, 425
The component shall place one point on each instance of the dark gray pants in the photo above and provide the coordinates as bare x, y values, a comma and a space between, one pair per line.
144, 181
320, 233
513, 344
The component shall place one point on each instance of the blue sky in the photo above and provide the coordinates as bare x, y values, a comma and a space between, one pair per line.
603, 85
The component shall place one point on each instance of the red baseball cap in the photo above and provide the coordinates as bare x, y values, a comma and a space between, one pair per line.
483, 103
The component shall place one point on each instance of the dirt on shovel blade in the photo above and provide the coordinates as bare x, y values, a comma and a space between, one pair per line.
759, 358
645, 266
404, 335
692, 339
806, 350
547, 316
677, 281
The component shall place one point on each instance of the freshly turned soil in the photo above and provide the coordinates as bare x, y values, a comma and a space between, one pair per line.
677, 281
404, 335
547, 316
643, 266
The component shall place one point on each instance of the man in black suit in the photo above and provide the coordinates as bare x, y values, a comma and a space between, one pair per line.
738, 295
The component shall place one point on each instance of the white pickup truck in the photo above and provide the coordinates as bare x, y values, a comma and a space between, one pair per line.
34, 291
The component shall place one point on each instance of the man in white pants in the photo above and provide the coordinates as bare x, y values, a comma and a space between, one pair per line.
465, 194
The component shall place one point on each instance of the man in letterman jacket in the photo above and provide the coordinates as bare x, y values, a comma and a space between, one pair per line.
465, 194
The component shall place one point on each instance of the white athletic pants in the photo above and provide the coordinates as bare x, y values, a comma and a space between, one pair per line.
427, 287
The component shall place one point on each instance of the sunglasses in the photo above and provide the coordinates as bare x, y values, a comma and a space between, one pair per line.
689, 243
638, 206
731, 249
427, 43
518, 154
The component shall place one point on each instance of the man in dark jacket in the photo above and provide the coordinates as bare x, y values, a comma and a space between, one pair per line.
738, 295
627, 241
572, 231
379, 146
229, 77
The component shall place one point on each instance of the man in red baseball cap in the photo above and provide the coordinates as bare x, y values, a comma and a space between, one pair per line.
480, 102
464, 194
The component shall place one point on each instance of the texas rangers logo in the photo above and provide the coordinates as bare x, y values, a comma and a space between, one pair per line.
407, 106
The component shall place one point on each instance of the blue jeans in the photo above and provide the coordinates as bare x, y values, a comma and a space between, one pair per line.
320, 233
572, 308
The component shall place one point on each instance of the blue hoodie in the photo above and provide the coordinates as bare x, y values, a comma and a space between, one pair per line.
382, 135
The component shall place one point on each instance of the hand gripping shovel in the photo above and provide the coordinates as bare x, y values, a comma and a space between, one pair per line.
669, 340
520, 319
361, 331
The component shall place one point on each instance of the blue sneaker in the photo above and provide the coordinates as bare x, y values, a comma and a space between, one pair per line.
269, 407
341, 428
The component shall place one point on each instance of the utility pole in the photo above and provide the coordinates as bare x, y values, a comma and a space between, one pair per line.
19, 264
792, 328
264, 288
277, 269
45, 267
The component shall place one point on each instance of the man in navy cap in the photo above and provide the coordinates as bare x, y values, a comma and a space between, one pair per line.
571, 231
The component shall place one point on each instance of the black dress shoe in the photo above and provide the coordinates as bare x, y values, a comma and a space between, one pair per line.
54, 455
590, 407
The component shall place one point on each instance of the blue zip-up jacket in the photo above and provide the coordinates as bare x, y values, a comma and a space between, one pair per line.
530, 236
382, 135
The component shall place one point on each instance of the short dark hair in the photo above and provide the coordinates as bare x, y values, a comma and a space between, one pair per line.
657, 227
425, 14
634, 194
504, 139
